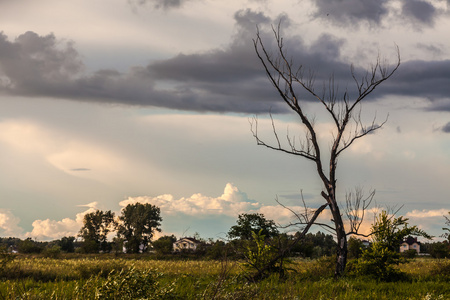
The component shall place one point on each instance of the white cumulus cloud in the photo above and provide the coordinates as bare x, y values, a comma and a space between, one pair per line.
55, 229
231, 203
425, 213
9, 224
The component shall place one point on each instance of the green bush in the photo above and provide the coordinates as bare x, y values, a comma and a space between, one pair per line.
441, 270
440, 249
52, 252
5, 259
126, 284
380, 263
29, 246
259, 255
411, 253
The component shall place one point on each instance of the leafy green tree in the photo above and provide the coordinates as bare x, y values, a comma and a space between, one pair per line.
440, 249
380, 260
315, 245
390, 231
137, 225
355, 247
67, 244
30, 246
247, 224
259, 253
447, 222
96, 227
164, 245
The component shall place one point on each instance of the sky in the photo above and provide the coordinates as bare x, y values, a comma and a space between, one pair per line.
110, 102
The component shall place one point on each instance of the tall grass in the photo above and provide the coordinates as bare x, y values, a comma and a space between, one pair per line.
119, 278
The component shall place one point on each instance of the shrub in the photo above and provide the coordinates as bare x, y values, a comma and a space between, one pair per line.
411, 253
379, 263
52, 252
126, 284
5, 259
29, 246
259, 254
441, 270
440, 250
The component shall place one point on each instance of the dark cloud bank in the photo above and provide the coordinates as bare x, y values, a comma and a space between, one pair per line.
353, 12
221, 80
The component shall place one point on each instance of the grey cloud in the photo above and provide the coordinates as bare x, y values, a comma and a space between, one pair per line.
432, 49
37, 63
230, 79
221, 80
346, 12
421, 11
80, 169
158, 4
446, 128
427, 79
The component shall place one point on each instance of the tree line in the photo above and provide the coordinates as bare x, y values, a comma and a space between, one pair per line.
132, 231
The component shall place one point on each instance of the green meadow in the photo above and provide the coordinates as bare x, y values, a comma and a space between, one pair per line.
144, 277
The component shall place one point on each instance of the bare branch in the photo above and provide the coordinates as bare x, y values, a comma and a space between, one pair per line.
356, 207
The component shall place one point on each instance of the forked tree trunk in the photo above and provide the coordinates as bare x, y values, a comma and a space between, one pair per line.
341, 236
341, 252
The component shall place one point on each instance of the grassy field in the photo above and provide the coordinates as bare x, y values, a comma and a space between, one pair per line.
109, 277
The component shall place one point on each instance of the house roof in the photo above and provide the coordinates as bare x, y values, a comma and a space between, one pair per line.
411, 240
189, 239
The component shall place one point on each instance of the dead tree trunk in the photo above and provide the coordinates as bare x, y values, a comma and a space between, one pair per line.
286, 80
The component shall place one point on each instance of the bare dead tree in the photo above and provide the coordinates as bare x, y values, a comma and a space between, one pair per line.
349, 127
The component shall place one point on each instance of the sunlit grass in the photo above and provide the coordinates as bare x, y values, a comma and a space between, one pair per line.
82, 278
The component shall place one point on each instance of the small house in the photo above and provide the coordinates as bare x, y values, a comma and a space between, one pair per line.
410, 243
186, 244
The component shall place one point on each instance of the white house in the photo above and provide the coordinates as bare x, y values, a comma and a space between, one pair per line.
410, 243
186, 243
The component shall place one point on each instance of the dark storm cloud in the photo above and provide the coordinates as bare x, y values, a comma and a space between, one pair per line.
420, 11
219, 80
446, 128
348, 12
230, 79
426, 79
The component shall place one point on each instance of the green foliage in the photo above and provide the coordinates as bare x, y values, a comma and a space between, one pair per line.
392, 231
67, 244
380, 261
355, 247
260, 254
126, 284
219, 250
441, 270
164, 245
52, 252
447, 222
43, 278
137, 224
315, 245
411, 253
440, 249
29, 246
5, 259
96, 226
247, 224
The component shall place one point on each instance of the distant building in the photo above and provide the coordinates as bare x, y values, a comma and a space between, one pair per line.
186, 244
410, 243
366, 243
